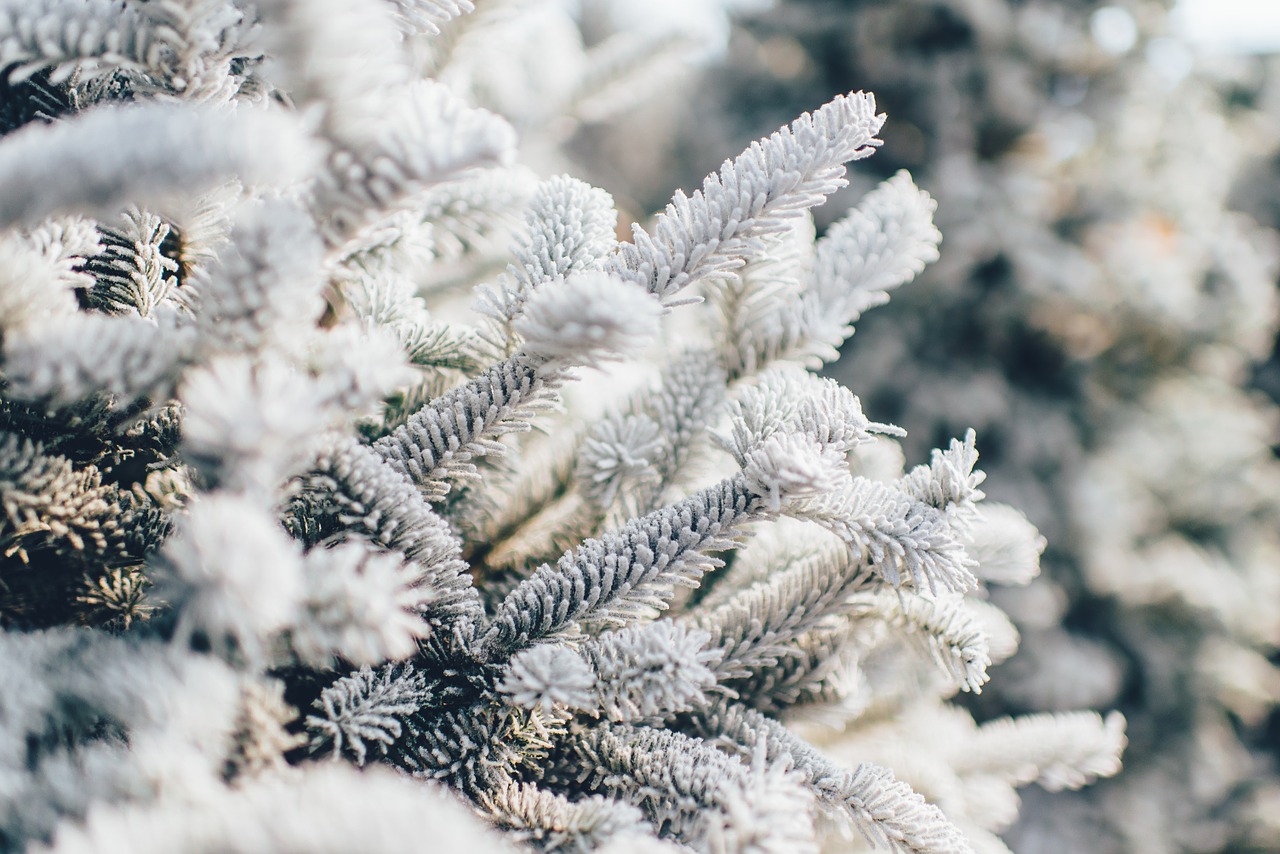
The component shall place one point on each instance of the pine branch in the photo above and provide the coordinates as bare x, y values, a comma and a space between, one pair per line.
570, 228
887, 812
96, 162
210, 571
758, 309
350, 484
268, 277
760, 625
943, 627
133, 275
626, 69
651, 671
1005, 544
799, 302
438, 442
899, 537
366, 709
74, 35
585, 319
882, 244
363, 605
950, 482
477, 215
552, 822
634, 454
548, 677
428, 136
750, 198
339, 58
821, 668
49, 503
698, 793
1063, 750
129, 358
625, 572
424, 17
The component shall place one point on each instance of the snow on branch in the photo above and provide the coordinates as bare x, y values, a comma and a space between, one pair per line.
901, 538
546, 676
758, 626
439, 440
571, 229
881, 244
662, 668
133, 273
887, 812
586, 319
751, 197
337, 57
426, 136
624, 572
366, 709
349, 487
182, 47
706, 796
416, 17
1005, 544
126, 357
361, 604
1063, 750
144, 154
799, 302
266, 277
237, 577
555, 823
943, 626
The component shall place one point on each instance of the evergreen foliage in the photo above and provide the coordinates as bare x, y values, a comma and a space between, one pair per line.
274, 509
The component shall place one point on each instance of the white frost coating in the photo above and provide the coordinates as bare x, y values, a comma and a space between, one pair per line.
322, 810
884, 242
340, 57
360, 604
33, 286
416, 17
95, 162
751, 197
587, 319
617, 453
548, 676
75, 356
238, 575
423, 135
790, 465
1060, 751
279, 495
249, 424
1005, 544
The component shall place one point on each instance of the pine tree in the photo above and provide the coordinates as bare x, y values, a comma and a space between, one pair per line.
275, 511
